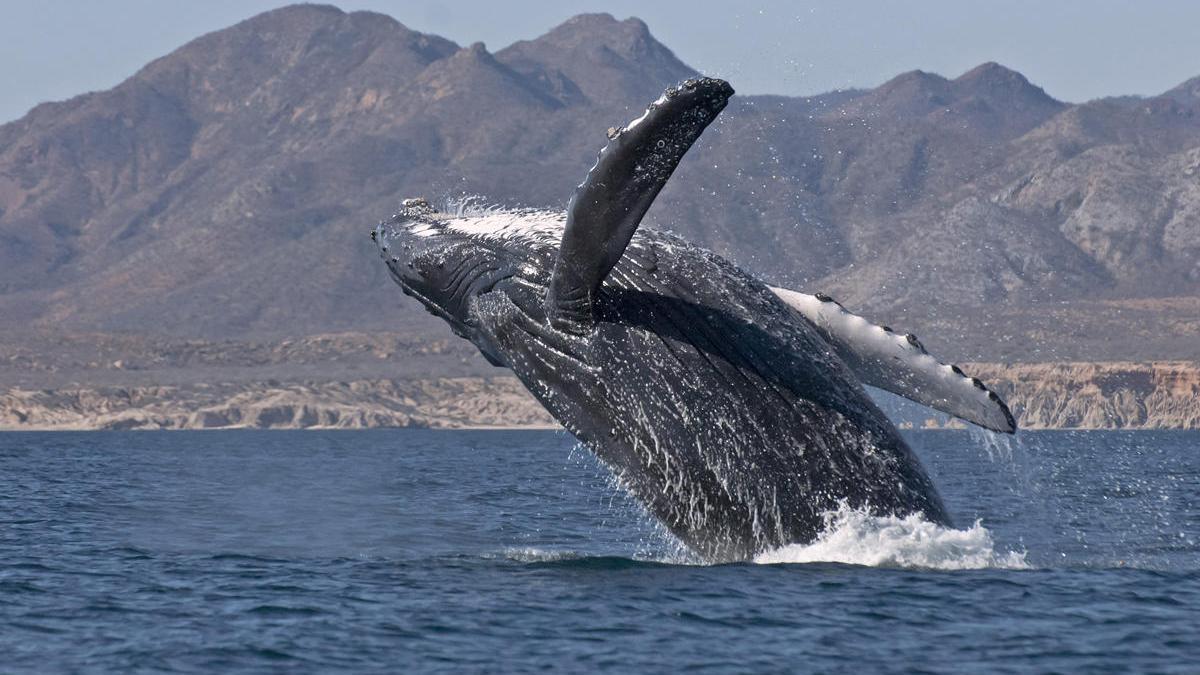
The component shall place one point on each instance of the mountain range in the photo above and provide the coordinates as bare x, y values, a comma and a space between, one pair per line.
225, 191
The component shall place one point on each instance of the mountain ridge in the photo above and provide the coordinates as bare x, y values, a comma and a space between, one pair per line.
223, 190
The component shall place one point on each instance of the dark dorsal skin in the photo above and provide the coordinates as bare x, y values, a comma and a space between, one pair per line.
728, 418
629, 173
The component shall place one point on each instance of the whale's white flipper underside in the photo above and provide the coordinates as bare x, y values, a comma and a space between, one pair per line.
899, 364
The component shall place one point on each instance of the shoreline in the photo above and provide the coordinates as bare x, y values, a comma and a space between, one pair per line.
51, 430
1063, 396
81, 430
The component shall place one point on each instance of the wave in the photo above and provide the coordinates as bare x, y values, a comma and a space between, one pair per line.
539, 555
855, 537
851, 536
572, 559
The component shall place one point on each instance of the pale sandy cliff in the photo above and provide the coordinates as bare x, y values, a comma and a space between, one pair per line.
1162, 395
442, 403
1042, 396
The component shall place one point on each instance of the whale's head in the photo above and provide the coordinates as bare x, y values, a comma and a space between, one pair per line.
446, 260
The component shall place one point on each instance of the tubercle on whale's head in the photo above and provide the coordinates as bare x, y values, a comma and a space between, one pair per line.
439, 265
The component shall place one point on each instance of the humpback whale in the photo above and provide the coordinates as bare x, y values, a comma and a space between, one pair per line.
735, 412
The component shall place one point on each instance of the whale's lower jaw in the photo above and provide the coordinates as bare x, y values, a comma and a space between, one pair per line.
722, 413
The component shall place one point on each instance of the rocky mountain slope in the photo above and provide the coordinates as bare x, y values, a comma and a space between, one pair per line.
224, 190
205, 222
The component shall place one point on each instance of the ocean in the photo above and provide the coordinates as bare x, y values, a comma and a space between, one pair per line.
500, 551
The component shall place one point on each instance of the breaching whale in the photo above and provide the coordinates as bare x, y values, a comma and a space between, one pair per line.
733, 411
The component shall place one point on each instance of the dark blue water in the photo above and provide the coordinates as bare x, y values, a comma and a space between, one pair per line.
483, 551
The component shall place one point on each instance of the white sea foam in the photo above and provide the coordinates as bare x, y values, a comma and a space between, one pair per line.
858, 538
533, 554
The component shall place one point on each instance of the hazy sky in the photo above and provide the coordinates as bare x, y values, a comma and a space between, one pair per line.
1075, 49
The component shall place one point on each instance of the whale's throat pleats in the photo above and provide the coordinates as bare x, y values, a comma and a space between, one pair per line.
690, 389
628, 174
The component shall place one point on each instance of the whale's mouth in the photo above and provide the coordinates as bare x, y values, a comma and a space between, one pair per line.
430, 306
446, 289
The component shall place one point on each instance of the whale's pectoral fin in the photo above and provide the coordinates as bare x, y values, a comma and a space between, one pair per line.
899, 364
629, 173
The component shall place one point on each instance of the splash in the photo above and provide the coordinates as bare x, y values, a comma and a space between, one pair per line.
856, 537
469, 206
999, 447
532, 554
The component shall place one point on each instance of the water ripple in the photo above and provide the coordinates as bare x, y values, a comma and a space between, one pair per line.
494, 551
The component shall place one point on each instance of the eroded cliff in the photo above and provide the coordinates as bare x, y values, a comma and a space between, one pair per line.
439, 403
1161, 395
